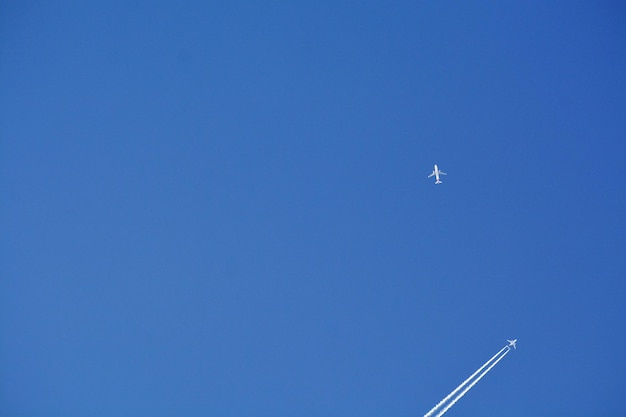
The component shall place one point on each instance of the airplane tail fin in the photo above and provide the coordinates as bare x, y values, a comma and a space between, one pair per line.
438, 182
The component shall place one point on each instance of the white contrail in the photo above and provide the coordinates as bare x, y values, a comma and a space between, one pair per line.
458, 397
460, 387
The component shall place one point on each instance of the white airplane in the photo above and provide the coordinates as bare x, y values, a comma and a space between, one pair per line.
512, 343
437, 173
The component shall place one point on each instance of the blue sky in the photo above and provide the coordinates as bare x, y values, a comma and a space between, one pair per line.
221, 209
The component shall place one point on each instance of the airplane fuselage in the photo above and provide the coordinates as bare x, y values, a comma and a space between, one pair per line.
438, 181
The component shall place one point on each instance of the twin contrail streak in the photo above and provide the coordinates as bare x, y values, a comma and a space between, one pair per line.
466, 385
460, 387
462, 393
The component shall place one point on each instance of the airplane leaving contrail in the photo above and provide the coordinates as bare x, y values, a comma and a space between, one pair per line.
462, 393
460, 387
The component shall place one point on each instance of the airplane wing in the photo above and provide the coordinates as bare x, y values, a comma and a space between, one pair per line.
442, 173
433, 173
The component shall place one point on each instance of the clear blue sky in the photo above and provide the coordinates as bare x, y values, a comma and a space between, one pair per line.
221, 208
